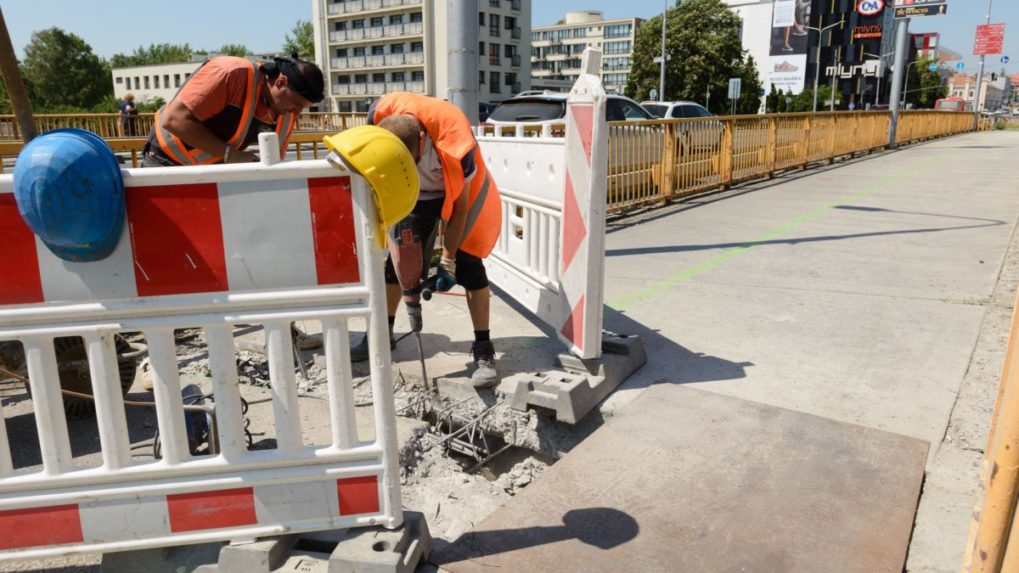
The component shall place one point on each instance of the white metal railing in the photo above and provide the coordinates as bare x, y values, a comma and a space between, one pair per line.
390, 31
378, 60
351, 6
378, 88
207, 248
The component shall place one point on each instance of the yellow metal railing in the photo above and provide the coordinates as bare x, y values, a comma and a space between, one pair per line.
108, 125
993, 544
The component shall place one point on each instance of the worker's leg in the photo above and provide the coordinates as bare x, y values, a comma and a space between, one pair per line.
470, 272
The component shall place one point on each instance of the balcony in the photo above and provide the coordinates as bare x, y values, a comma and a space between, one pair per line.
515, 33
377, 61
378, 88
351, 6
494, 31
378, 32
515, 60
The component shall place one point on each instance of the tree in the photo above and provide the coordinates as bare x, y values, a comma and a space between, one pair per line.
238, 50
154, 54
302, 41
704, 51
62, 73
923, 86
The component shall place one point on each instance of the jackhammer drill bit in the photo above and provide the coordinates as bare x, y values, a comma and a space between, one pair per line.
421, 357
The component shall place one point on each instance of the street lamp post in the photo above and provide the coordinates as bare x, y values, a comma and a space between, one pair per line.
817, 60
881, 63
661, 79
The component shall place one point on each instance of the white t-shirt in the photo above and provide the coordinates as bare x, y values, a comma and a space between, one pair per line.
430, 174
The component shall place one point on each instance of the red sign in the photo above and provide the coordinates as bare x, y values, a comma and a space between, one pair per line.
990, 40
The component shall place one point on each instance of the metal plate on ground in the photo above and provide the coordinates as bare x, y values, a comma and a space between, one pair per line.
688, 480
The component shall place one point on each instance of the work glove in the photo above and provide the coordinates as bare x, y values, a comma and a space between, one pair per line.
414, 316
445, 277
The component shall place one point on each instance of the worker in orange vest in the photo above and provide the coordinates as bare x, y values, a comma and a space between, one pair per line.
221, 109
457, 189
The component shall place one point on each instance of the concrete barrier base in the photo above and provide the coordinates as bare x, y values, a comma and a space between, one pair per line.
576, 389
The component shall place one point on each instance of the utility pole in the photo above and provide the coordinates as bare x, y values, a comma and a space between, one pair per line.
462, 18
817, 60
15, 87
980, 78
901, 39
661, 79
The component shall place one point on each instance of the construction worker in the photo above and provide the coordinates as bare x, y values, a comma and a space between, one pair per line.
128, 115
456, 188
221, 109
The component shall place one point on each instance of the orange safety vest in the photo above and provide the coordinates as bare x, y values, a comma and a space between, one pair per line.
453, 139
175, 149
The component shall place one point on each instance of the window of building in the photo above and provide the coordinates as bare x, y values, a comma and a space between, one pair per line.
378, 50
417, 76
377, 22
357, 24
166, 80
341, 52
493, 25
360, 78
362, 106
186, 77
481, 48
509, 50
511, 78
415, 17
493, 54
146, 82
343, 80
417, 46
493, 82
511, 22
359, 51
493, 3
155, 82
395, 48
481, 78
346, 106
379, 78
127, 82
617, 47
481, 18
398, 76
396, 19
340, 26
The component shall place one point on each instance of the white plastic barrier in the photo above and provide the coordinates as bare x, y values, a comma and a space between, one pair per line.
551, 253
210, 248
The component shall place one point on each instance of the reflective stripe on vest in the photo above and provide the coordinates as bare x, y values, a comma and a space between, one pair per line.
175, 149
284, 127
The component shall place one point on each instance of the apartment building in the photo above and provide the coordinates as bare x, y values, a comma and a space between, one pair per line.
368, 48
556, 50
992, 95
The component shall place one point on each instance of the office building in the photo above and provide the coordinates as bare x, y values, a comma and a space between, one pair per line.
368, 48
556, 50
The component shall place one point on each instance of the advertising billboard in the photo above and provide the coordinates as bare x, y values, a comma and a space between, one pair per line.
789, 45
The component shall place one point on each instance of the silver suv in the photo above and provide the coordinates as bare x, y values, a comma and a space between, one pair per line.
675, 109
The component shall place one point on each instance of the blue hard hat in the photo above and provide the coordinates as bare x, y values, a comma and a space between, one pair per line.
70, 192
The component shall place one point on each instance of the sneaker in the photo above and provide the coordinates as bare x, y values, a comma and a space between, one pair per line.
359, 352
484, 364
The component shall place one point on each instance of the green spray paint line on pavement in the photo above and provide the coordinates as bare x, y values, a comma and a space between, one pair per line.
778, 232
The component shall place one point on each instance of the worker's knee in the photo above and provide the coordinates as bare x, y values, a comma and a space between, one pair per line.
470, 271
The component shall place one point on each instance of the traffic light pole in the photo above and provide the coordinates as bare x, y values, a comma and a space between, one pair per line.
901, 39
980, 80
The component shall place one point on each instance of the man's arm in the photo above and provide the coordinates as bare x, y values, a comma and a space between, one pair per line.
180, 121
453, 235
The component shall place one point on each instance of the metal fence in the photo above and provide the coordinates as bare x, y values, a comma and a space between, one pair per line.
108, 125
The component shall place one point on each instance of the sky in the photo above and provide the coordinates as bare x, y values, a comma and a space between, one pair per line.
118, 26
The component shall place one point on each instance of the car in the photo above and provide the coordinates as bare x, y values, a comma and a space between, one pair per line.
675, 109
532, 107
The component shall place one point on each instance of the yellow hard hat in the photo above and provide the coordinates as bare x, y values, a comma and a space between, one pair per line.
381, 158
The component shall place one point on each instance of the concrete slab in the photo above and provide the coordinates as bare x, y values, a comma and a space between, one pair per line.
686, 480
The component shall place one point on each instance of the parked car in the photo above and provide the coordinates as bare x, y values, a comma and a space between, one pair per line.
634, 150
550, 107
693, 136
675, 109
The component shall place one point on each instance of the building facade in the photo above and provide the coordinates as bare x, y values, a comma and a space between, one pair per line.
367, 48
150, 82
556, 50
991, 98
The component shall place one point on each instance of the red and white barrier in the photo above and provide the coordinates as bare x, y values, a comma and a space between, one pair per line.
210, 248
551, 253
